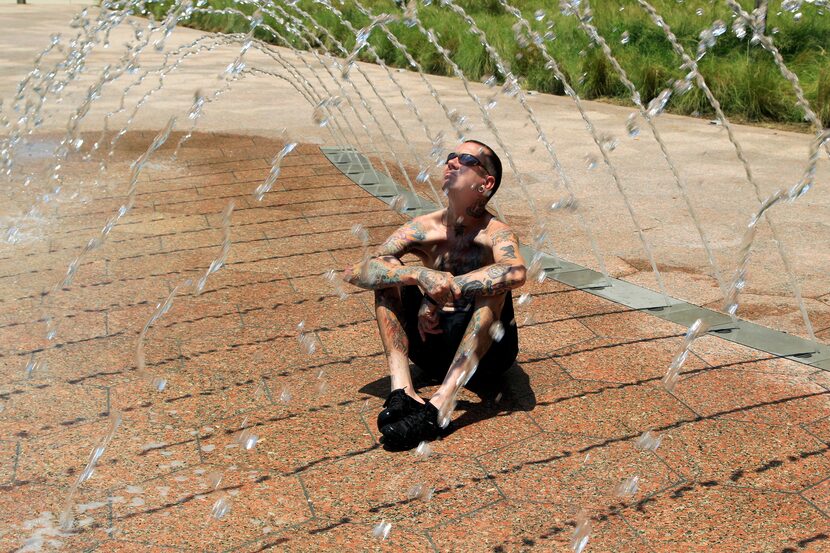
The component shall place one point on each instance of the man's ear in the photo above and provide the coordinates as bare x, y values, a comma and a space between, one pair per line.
489, 183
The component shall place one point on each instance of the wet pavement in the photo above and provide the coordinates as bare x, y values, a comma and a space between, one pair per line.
743, 464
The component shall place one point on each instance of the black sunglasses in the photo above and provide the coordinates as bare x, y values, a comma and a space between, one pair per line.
467, 160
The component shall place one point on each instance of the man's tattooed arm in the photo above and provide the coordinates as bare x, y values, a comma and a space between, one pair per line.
383, 268
506, 273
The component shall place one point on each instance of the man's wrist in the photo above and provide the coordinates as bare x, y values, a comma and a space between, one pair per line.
411, 276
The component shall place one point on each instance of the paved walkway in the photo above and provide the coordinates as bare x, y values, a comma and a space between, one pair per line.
743, 463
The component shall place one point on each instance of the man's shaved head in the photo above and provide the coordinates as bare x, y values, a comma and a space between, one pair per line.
492, 163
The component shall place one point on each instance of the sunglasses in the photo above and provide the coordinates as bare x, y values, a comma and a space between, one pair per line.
468, 160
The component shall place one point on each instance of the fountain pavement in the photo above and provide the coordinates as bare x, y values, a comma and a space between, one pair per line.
744, 459
743, 465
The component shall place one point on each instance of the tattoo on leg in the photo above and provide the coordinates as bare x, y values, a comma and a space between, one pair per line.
393, 335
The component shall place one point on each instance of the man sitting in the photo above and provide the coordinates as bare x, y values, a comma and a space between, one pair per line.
445, 314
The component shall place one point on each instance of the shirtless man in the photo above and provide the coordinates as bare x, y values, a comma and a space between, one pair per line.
440, 314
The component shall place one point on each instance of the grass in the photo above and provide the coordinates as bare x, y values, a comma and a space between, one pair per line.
742, 76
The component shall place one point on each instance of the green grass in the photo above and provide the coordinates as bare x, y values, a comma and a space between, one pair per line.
742, 76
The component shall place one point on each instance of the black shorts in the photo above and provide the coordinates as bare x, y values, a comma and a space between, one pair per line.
435, 355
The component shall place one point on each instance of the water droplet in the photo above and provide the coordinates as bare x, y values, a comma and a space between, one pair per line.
791, 5
582, 532
322, 112
682, 86
699, 12
333, 278
221, 508
569, 7
381, 530
625, 37
539, 15
648, 441
424, 450
420, 491
739, 28
13, 235
591, 161
658, 104
497, 331
31, 367
249, 440
285, 395
215, 479
511, 86
361, 233
199, 100
568, 203
399, 203
631, 125
524, 299
628, 487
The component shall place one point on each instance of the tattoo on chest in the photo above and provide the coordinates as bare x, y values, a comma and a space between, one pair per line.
461, 260
402, 240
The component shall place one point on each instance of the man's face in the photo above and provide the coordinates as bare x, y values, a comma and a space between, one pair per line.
462, 182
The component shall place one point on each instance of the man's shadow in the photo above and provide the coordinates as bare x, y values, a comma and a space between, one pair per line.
499, 395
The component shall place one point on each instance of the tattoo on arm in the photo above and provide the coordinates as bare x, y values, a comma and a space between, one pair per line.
504, 235
402, 240
508, 252
490, 281
383, 269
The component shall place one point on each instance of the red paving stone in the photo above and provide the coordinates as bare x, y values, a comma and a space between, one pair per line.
743, 465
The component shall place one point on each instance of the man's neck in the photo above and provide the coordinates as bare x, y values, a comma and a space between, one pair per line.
463, 219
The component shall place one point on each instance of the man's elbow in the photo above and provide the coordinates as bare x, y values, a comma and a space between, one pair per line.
519, 274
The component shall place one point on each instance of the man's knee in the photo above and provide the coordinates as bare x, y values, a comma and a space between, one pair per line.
389, 298
492, 303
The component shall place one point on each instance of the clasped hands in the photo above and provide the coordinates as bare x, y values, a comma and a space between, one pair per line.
439, 288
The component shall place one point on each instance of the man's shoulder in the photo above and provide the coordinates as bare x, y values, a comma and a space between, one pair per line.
427, 221
498, 231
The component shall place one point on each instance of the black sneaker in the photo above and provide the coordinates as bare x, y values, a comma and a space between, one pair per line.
398, 405
414, 428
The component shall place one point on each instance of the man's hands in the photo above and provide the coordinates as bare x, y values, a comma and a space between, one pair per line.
428, 319
439, 285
